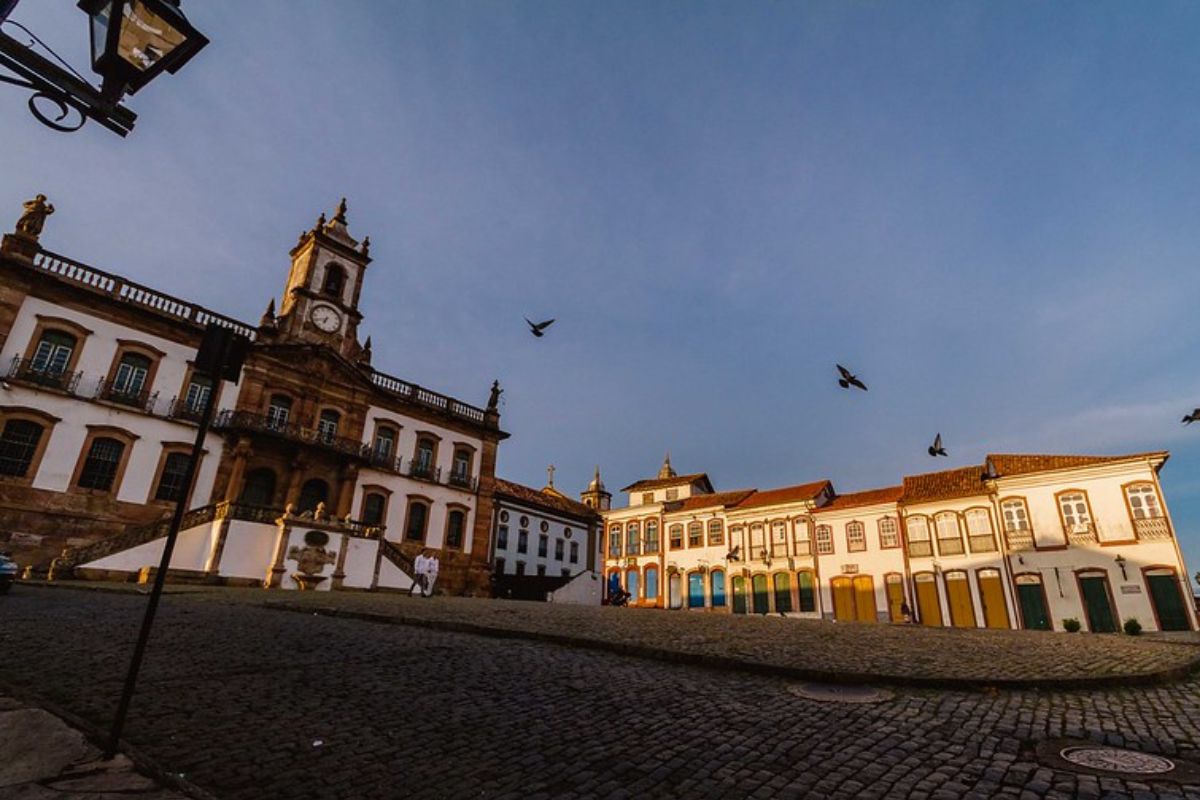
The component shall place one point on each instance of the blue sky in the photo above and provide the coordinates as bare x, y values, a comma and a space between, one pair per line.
987, 210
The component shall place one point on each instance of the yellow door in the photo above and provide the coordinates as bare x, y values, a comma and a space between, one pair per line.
958, 597
895, 597
991, 595
864, 598
927, 601
843, 599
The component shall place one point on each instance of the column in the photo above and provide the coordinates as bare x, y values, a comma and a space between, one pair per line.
237, 474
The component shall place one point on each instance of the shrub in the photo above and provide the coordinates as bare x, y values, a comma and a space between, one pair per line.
1132, 626
1071, 625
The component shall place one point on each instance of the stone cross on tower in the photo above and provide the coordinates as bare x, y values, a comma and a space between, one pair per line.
550, 475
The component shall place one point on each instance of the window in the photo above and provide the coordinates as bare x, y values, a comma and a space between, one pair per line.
523, 542
675, 536
1016, 517
335, 279
502, 538
651, 539
574, 552
423, 464
948, 534
541, 571
456, 522
199, 389
543, 541
171, 483
919, 543
779, 539
385, 443
279, 410
102, 463
418, 518
460, 472
18, 446
979, 530
559, 546
1143, 501
259, 488
374, 508
800, 537
647, 497
614, 541
1075, 514
499, 566
632, 539
758, 544
824, 537
313, 493
672, 494
889, 533
856, 537
716, 533
130, 378
566, 573
520, 567
695, 534
53, 353
327, 425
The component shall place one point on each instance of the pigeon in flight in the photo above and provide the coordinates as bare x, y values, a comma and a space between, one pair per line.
1192, 417
538, 329
936, 448
847, 380
735, 554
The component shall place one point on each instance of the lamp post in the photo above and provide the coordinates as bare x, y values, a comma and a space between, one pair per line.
132, 43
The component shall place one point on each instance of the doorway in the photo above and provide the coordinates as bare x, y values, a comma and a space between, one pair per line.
991, 597
1097, 603
1168, 600
1031, 595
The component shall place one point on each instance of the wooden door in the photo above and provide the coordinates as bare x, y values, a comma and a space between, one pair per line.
1032, 597
894, 585
958, 598
739, 595
864, 599
761, 603
928, 606
991, 597
1097, 604
675, 591
695, 590
783, 592
843, 599
1168, 601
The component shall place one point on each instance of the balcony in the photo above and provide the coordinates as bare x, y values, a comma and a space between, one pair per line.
179, 409
922, 548
950, 547
1081, 533
804, 548
1151, 529
246, 421
983, 543
1019, 540
142, 398
24, 370
461, 480
424, 472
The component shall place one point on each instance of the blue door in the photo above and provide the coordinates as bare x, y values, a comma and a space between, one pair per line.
631, 585
695, 590
718, 589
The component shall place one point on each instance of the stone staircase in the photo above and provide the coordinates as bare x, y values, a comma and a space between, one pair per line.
130, 537
395, 555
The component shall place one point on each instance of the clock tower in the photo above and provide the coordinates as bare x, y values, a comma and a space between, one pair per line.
320, 303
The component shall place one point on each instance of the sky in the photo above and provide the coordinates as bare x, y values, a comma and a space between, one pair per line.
987, 211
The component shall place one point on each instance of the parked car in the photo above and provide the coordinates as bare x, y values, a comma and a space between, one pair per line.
8, 572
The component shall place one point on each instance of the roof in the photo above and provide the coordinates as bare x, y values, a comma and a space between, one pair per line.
1006, 464
551, 502
786, 494
723, 499
869, 497
944, 485
678, 480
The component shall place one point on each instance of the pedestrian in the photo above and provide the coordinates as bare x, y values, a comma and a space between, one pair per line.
905, 611
432, 567
420, 567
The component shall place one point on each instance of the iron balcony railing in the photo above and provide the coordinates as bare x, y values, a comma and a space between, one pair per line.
179, 409
24, 370
142, 398
257, 423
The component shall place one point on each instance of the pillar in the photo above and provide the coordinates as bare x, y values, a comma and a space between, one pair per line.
237, 473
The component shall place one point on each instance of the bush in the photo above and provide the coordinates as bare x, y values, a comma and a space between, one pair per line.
1071, 625
1132, 626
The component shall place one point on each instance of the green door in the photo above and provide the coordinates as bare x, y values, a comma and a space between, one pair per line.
1095, 602
1168, 604
761, 605
783, 593
1033, 607
739, 595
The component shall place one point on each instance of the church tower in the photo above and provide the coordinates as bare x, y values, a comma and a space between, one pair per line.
320, 303
596, 497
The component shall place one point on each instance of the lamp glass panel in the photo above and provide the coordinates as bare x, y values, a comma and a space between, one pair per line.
146, 38
100, 20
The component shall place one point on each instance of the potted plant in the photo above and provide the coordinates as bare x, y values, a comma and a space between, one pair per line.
1133, 627
1071, 625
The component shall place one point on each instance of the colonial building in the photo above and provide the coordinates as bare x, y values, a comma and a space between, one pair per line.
1021, 541
313, 453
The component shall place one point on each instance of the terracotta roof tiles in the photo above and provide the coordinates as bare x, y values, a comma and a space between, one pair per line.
785, 494
870, 497
722, 499
944, 485
550, 502
658, 483
1025, 463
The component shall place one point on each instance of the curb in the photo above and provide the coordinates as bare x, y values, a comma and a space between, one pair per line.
730, 664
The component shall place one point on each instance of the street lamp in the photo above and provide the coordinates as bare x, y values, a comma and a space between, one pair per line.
134, 41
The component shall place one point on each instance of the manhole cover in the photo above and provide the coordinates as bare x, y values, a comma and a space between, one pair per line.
832, 693
1116, 759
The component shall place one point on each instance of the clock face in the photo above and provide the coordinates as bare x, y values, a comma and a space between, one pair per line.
326, 318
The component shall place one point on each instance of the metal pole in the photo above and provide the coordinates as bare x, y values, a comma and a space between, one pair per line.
114, 736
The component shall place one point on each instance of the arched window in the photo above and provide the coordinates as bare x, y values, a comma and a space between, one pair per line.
717, 587
800, 538
856, 537
1016, 516
758, 544
456, 523
53, 353
1075, 515
614, 541
327, 425
651, 539
259, 488
423, 464
199, 389
102, 464
418, 517
130, 378
675, 536
889, 533
651, 583
716, 533
633, 539
919, 543
979, 530
335, 279
779, 539
806, 591
279, 411
374, 508
314, 492
460, 471
18, 446
1143, 501
174, 473
695, 534
385, 444
824, 537
948, 534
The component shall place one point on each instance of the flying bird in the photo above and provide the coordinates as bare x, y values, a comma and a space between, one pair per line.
847, 380
735, 554
537, 329
936, 448
1192, 417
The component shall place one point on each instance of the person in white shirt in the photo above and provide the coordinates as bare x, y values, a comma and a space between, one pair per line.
432, 566
421, 568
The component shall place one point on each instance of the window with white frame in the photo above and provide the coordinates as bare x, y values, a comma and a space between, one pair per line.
856, 537
758, 544
633, 539
800, 537
1016, 515
779, 539
695, 534
889, 533
1075, 515
979, 530
614, 541
917, 528
1143, 501
650, 542
716, 533
948, 533
824, 537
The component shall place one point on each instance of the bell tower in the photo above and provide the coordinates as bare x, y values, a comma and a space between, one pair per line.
320, 303
597, 496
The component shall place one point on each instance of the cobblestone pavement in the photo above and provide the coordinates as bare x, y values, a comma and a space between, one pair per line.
253, 703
